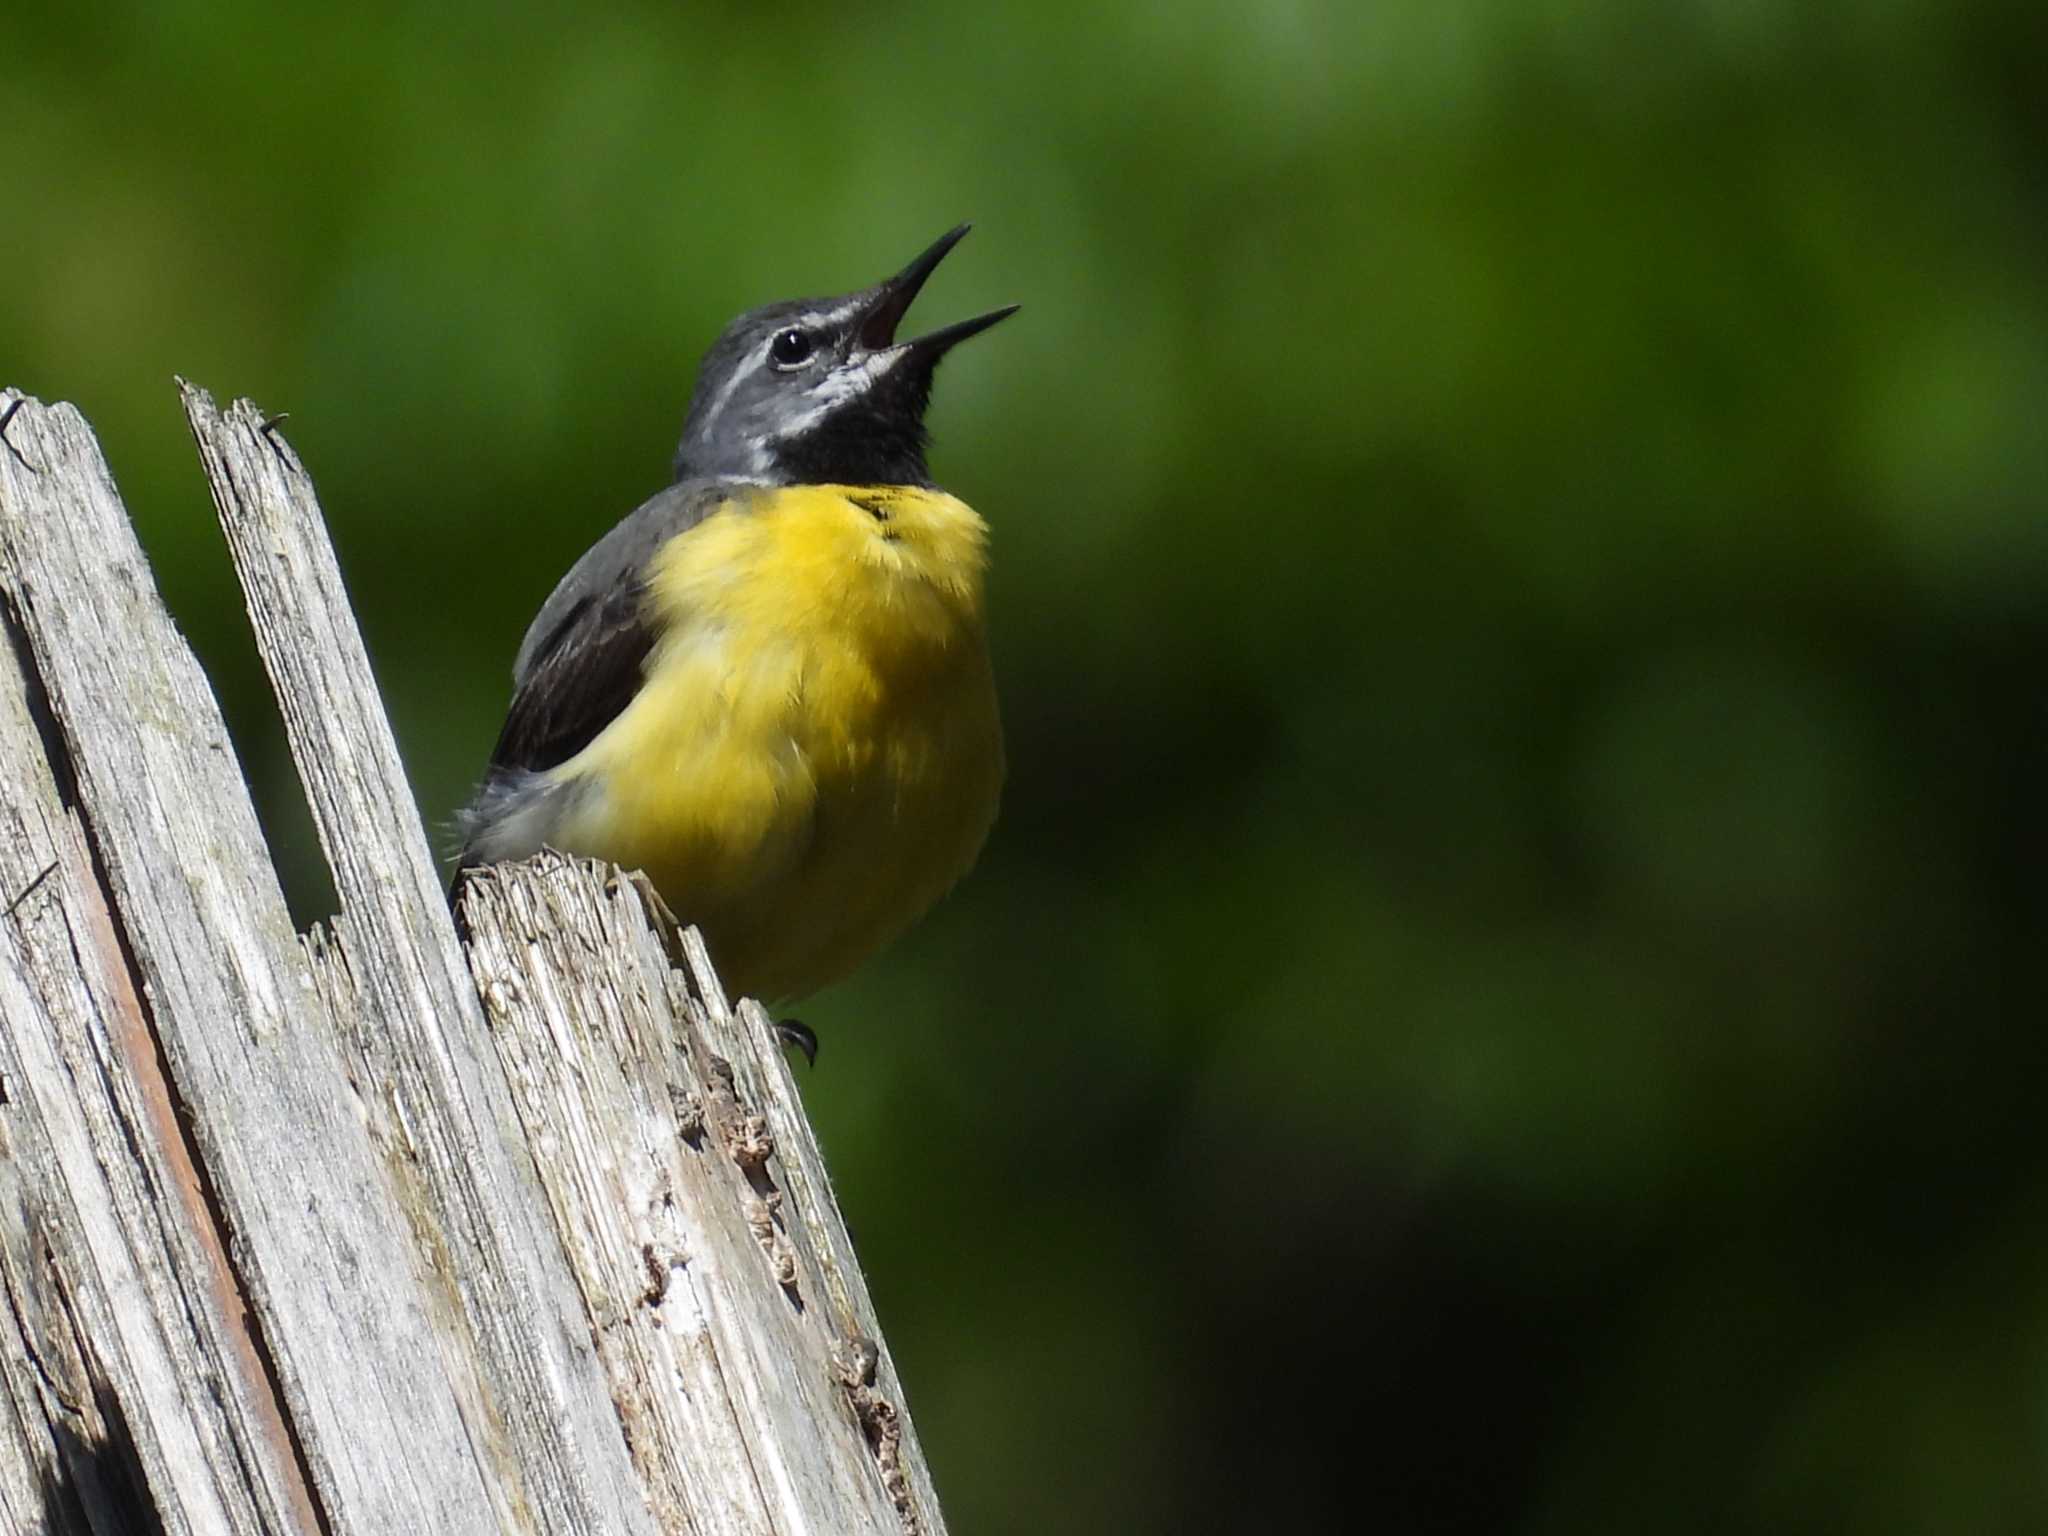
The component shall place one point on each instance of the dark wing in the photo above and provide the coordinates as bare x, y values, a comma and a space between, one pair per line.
587, 675
583, 657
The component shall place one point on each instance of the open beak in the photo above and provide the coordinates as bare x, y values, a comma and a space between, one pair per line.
893, 299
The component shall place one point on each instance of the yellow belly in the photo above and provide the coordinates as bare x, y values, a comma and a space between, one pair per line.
815, 756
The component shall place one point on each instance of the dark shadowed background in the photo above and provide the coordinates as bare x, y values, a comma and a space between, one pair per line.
1505, 994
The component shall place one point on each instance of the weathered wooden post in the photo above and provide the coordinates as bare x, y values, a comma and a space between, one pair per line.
380, 1229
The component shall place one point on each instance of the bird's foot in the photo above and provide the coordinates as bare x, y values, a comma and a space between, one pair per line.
666, 923
799, 1034
788, 1032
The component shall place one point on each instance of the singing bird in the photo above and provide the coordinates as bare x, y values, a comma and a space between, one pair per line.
769, 687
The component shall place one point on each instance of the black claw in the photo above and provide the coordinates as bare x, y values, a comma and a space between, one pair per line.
268, 427
799, 1034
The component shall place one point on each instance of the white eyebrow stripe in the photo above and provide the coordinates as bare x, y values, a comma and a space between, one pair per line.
838, 315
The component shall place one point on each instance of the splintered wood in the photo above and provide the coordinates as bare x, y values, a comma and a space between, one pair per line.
377, 1229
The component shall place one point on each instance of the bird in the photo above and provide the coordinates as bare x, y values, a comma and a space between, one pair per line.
768, 689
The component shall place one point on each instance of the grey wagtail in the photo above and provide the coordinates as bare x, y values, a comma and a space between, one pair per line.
769, 687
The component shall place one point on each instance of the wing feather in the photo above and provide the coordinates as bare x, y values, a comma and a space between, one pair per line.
584, 656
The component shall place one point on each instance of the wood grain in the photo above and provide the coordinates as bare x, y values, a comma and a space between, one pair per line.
369, 1229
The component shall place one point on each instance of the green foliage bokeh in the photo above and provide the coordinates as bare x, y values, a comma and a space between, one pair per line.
1504, 994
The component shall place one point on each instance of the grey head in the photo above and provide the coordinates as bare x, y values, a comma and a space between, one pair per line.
820, 390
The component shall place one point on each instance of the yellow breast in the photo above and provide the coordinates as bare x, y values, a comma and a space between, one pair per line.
814, 757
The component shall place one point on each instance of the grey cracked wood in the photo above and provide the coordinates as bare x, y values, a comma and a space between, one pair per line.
537, 1235
318, 1244
736, 1417
129, 1374
738, 1337
443, 1117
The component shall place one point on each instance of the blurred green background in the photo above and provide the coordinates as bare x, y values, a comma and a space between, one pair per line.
1505, 995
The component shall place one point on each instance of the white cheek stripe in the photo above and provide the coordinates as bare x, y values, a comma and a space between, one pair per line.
835, 389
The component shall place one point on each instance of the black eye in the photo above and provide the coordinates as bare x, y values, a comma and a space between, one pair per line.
790, 349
